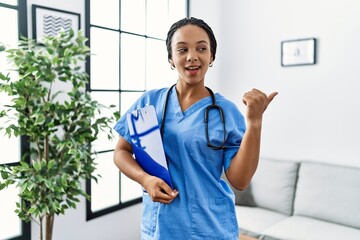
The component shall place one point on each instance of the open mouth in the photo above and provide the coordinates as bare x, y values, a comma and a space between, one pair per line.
192, 68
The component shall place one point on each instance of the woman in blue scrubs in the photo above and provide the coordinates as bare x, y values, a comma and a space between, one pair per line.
201, 204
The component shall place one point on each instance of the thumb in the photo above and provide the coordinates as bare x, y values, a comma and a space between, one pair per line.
271, 97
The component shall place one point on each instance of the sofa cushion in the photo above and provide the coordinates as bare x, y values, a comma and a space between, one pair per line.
298, 227
252, 220
273, 185
329, 192
244, 197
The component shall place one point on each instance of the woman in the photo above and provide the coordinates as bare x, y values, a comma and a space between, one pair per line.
201, 205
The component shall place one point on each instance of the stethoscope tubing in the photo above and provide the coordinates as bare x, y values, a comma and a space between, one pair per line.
206, 119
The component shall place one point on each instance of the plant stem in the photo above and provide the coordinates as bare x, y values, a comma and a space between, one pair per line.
38, 149
46, 149
49, 93
49, 226
41, 227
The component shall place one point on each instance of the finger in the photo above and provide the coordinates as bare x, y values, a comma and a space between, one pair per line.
245, 98
244, 101
253, 96
165, 201
164, 197
167, 190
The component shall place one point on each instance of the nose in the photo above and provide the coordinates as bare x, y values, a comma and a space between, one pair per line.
192, 56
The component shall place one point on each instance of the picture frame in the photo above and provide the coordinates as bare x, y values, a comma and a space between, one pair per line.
50, 21
298, 52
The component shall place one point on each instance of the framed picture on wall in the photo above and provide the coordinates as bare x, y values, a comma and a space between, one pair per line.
49, 21
298, 52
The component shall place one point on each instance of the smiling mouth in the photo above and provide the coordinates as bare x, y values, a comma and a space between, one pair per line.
192, 68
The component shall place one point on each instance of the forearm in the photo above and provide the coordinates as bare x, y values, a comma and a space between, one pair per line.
123, 159
245, 162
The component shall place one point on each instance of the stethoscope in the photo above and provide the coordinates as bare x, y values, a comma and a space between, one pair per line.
206, 119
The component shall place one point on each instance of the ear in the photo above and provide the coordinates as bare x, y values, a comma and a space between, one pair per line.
211, 62
211, 58
171, 63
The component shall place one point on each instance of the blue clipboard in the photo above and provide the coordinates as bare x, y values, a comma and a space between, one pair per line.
147, 143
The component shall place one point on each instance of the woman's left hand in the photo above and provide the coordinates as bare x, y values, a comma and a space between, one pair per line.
256, 102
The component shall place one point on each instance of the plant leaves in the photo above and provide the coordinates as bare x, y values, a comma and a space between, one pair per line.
4, 175
59, 125
51, 164
37, 165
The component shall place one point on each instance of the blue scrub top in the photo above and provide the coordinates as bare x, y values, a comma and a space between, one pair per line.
205, 206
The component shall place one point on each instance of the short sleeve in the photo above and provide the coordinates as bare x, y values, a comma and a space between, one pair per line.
122, 128
151, 97
121, 125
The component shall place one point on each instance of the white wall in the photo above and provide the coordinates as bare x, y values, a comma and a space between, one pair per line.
210, 12
122, 224
316, 114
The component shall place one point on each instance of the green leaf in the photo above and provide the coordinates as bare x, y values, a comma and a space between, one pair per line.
4, 175
40, 119
2, 186
63, 181
37, 166
30, 186
51, 164
25, 165
56, 206
43, 164
32, 210
3, 77
50, 50
48, 184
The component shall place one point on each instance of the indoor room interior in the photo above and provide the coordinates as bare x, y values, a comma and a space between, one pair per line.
307, 51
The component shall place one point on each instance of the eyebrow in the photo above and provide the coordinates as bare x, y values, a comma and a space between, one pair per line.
202, 41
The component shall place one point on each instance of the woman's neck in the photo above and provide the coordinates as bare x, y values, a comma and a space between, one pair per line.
189, 94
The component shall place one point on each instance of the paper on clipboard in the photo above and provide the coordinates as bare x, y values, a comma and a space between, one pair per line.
147, 143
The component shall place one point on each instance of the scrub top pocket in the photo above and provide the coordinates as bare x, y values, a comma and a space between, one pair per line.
201, 151
149, 215
209, 217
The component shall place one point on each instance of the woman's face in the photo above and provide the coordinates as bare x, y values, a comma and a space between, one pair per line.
191, 53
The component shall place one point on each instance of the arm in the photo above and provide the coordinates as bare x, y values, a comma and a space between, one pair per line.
157, 189
245, 161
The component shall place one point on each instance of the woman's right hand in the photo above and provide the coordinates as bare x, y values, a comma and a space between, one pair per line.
159, 190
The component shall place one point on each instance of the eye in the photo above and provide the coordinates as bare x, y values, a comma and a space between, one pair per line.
181, 50
202, 49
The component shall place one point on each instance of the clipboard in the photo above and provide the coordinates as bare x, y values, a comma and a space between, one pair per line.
147, 143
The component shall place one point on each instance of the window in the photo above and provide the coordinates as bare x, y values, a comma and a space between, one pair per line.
127, 41
12, 25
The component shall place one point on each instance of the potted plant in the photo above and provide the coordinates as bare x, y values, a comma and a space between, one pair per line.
59, 125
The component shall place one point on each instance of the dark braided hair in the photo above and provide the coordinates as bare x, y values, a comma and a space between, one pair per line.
193, 21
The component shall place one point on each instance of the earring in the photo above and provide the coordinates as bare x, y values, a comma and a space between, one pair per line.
211, 64
172, 67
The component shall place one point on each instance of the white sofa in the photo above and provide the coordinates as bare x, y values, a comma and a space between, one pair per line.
291, 200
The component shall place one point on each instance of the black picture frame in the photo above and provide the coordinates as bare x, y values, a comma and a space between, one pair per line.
49, 21
298, 52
